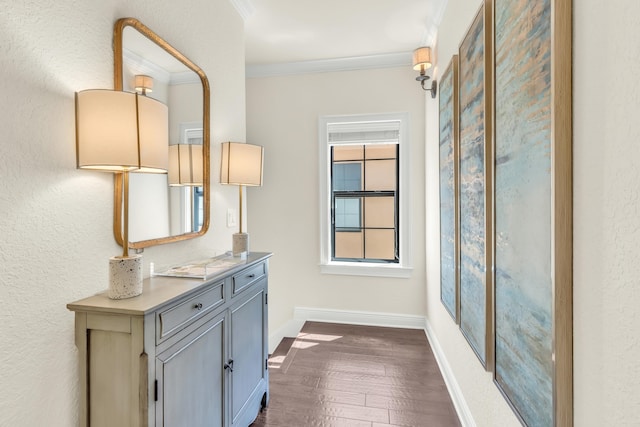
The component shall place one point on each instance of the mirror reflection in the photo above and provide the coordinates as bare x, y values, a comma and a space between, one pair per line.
172, 206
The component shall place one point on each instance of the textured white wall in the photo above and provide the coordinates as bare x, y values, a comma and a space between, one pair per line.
606, 213
606, 221
56, 221
282, 115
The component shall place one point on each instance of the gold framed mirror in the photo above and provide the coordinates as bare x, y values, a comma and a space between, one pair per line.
170, 207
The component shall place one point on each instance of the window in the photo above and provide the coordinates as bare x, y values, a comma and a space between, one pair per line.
364, 188
198, 209
364, 192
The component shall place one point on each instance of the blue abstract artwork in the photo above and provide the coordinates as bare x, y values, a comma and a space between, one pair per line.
472, 188
523, 211
448, 134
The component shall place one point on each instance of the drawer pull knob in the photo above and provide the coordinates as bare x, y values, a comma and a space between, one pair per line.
251, 276
198, 306
229, 365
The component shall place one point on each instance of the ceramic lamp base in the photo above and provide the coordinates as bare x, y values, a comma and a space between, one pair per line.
240, 243
125, 277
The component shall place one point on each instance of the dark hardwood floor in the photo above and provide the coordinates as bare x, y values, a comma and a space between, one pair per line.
347, 375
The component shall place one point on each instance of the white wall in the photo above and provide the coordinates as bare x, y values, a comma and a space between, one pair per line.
186, 100
606, 213
606, 221
282, 115
56, 221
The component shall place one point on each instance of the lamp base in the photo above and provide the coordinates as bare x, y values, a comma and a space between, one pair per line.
240, 243
125, 277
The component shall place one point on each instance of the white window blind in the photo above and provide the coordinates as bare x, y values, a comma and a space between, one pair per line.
383, 132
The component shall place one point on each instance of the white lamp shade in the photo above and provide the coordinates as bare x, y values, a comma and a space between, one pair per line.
143, 83
118, 131
106, 130
241, 164
422, 58
186, 164
153, 128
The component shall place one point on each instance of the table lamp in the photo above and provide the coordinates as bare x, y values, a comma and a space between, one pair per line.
186, 165
122, 132
242, 166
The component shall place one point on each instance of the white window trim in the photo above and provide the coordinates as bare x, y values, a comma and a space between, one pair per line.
402, 269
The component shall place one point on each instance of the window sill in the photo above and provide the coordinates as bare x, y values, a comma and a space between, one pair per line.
365, 269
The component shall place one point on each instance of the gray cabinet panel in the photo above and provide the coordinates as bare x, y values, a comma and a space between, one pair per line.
190, 379
109, 378
247, 349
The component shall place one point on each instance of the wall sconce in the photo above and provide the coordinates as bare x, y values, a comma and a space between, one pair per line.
122, 132
422, 62
143, 84
185, 165
241, 165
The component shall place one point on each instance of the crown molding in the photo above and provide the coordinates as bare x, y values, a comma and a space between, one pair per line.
185, 77
433, 23
388, 60
139, 65
244, 7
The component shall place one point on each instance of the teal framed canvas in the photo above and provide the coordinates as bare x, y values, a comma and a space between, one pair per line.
475, 189
533, 203
448, 133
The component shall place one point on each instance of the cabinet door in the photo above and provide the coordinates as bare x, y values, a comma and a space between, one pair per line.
248, 380
191, 379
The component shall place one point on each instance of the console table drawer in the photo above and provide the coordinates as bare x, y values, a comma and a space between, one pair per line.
174, 318
246, 277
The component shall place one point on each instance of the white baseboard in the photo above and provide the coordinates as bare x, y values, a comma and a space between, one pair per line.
359, 318
302, 314
289, 329
464, 413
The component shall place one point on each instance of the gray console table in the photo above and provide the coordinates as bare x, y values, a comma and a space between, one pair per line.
187, 352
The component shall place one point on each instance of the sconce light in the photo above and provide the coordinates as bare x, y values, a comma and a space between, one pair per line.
185, 165
122, 132
422, 62
143, 84
241, 165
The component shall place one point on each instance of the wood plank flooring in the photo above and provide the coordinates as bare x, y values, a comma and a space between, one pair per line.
348, 375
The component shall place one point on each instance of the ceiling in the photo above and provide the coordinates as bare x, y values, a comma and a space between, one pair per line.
291, 31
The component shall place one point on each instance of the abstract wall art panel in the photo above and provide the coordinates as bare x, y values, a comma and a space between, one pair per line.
533, 209
448, 125
475, 190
